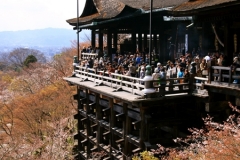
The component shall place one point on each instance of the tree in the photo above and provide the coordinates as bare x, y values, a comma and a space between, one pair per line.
214, 141
29, 59
15, 59
36, 116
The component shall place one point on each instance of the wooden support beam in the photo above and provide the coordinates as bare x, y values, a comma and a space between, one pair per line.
84, 141
94, 148
136, 124
104, 97
120, 117
82, 99
92, 104
93, 125
119, 141
106, 133
106, 109
83, 119
136, 150
116, 100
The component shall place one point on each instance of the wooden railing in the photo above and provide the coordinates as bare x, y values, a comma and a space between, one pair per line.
224, 76
131, 84
217, 76
89, 55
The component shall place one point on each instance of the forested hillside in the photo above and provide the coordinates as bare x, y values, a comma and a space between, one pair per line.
36, 109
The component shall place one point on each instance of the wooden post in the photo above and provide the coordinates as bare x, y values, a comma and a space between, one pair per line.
115, 40
133, 42
127, 130
112, 123
220, 75
87, 122
98, 117
93, 41
100, 41
230, 76
109, 44
80, 148
143, 135
140, 47
125, 127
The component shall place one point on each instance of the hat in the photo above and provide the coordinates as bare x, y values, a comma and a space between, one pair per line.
158, 64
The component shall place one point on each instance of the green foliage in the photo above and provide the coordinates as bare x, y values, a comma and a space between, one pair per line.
29, 59
145, 155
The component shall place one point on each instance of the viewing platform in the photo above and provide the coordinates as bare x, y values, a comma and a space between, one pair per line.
116, 116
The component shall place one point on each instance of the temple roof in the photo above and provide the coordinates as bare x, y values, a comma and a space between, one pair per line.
99, 10
194, 5
145, 4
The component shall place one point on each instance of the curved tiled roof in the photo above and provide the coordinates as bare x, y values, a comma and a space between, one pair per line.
84, 19
106, 9
145, 4
200, 4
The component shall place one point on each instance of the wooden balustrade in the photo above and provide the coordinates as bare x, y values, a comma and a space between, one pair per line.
224, 75
132, 84
89, 55
218, 75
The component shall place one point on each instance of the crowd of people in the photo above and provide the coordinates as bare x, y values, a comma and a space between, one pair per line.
134, 65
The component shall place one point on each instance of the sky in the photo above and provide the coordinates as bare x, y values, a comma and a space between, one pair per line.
37, 14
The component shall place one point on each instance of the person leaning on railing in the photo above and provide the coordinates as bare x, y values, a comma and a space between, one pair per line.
203, 68
162, 76
234, 66
155, 76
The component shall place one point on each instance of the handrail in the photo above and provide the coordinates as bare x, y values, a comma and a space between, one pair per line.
225, 75
132, 84
87, 55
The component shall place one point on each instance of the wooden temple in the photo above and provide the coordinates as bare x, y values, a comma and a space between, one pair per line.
114, 114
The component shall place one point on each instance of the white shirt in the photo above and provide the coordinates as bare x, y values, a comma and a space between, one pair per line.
207, 58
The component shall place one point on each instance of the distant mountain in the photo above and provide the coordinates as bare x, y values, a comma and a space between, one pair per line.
49, 37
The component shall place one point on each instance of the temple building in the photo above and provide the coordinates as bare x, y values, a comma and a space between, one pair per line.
116, 113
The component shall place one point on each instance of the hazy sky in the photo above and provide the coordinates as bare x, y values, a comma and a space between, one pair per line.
37, 14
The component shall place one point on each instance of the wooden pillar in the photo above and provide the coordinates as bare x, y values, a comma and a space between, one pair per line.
127, 130
93, 40
112, 123
228, 42
115, 40
145, 43
125, 126
79, 125
140, 46
98, 117
155, 42
100, 40
109, 44
134, 43
143, 132
87, 123
174, 40
155, 47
